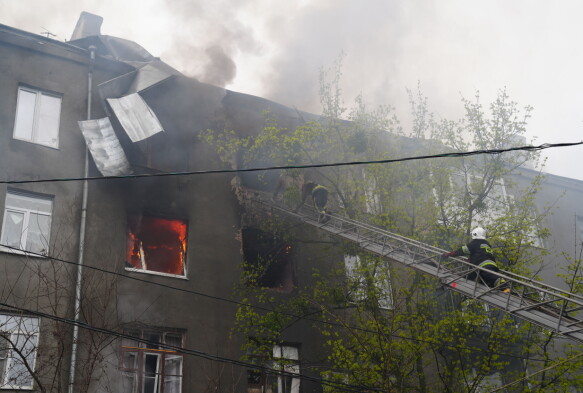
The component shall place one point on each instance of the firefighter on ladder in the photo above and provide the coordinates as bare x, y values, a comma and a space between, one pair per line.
319, 195
479, 252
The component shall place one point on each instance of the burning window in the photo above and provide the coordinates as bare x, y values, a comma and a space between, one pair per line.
156, 245
267, 262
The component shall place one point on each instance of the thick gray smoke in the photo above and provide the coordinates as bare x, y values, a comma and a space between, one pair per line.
275, 49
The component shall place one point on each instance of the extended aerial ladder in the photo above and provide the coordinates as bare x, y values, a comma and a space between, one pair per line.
549, 307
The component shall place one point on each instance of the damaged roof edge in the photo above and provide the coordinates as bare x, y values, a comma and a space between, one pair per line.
65, 50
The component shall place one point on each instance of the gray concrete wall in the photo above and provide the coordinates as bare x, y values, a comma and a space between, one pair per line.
44, 284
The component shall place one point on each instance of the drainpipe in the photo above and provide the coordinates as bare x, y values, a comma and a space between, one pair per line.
82, 226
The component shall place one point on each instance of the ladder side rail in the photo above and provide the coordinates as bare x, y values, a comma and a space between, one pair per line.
409, 249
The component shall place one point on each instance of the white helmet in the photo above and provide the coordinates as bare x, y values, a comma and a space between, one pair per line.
478, 233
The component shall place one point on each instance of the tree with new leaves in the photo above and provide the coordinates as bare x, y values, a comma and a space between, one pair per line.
429, 340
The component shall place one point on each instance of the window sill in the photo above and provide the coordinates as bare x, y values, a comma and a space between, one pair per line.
21, 252
153, 273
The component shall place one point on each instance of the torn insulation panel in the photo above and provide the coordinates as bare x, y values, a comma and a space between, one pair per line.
104, 147
135, 116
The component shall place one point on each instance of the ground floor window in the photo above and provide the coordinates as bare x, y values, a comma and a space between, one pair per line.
18, 345
284, 374
152, 367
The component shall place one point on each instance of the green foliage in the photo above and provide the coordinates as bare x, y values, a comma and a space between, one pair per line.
428, 340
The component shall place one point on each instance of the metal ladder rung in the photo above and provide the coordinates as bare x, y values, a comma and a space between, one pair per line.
401, 249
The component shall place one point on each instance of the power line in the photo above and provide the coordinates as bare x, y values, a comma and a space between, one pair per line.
238, 303
191, 352
526, 377
269, 168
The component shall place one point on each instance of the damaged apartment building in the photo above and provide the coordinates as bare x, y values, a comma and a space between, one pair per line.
117, 282
153, 258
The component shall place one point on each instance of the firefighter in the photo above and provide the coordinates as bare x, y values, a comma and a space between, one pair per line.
479, 252
319, 195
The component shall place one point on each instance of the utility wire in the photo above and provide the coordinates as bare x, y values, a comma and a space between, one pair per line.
257, 307
268, 168
191, 352
538, 372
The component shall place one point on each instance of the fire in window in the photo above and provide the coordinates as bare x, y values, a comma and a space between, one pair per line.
267, 262
156, 245
153, 366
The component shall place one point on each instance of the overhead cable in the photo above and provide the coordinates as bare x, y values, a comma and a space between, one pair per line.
258, 307
191, 352
269, 168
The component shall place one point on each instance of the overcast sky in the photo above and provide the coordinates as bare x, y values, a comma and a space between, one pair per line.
274, 49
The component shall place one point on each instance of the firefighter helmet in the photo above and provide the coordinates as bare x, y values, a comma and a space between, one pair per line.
478, 233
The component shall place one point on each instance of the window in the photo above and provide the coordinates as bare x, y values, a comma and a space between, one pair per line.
267, 262
156, 245
370, 278
37, 117
371, 194
18, 344
152, 367
285, 364
27, 222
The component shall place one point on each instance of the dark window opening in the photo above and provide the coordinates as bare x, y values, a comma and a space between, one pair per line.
156, 244
267, 262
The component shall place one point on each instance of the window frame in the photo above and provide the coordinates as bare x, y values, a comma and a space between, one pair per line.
26, 222
356, 279
131, 268
278, 364
10, 355
35, 130
140, 351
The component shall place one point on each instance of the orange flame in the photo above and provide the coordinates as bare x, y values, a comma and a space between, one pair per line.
157, 244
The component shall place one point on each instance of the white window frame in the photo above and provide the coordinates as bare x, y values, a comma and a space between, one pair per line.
14, 325
287, 359
9, 207
353, 271
33, 126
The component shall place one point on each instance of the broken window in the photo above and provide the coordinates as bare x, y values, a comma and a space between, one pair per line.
284, 374
37, 117
18, 344
27, 222
154, 366
267, 260
156, 245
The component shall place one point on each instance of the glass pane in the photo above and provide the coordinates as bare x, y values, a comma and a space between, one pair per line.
128, 342
130, 360
173, 339
154, 337
3, 355
25, 202
10, 323
48, 121
151, 373
37, 236
12, 230
129, 382
172, 374
17, 373
24, 115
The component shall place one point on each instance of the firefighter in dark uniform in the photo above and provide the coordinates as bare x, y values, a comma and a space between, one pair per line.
480, 254
319, 195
